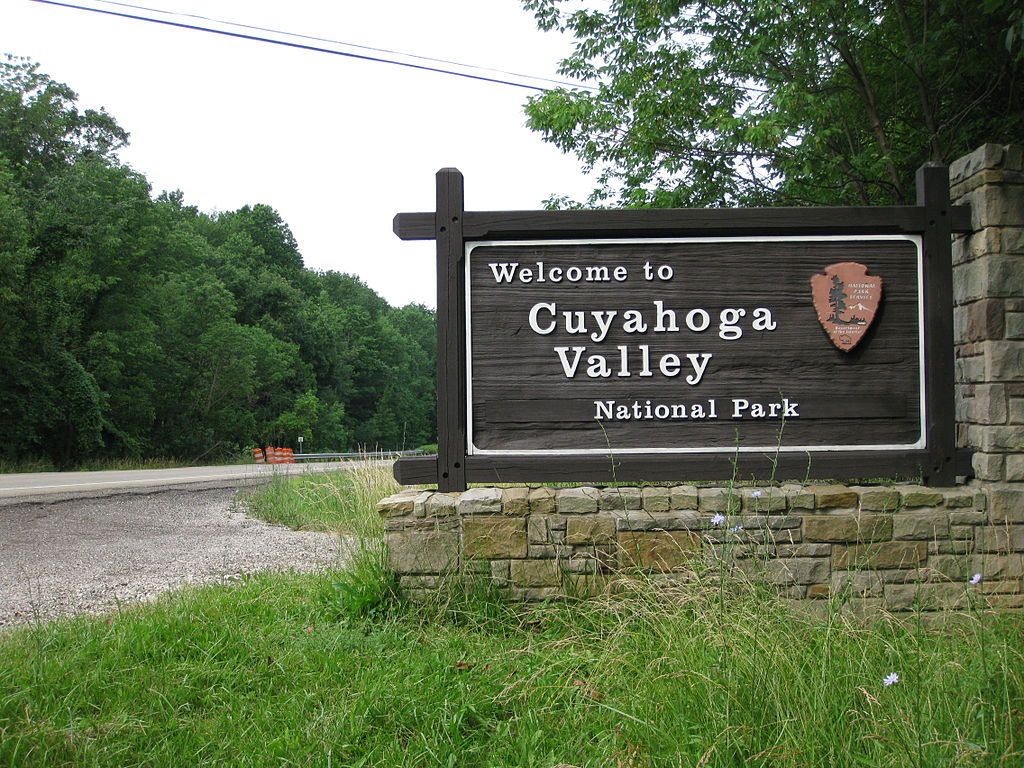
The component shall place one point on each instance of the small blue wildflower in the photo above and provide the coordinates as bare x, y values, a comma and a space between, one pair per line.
718, 519
736, 528
976, 578
756, 494
891, 678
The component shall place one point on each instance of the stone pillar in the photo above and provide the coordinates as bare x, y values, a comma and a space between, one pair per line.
988, 293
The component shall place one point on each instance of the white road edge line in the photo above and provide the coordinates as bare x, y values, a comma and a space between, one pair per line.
188, 478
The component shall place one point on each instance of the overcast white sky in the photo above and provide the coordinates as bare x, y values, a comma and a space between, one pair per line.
338, 146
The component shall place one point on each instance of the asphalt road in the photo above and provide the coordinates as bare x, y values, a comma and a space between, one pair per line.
59, 484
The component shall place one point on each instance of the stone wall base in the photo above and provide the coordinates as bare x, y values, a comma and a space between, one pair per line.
895, 548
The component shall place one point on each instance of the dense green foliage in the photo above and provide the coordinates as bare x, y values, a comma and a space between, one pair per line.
766, 102
138, 326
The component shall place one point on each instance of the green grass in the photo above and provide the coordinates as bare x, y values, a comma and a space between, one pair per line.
332, 669
341, 502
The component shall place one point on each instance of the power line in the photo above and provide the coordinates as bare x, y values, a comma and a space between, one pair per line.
314, 48
342, 42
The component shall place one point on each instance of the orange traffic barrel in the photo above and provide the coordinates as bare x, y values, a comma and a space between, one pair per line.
257, 454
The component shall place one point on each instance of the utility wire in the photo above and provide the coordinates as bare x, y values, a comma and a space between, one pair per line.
314, 48
342, 42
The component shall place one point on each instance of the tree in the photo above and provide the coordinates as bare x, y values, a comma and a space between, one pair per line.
136, 326
723, 102
41, 129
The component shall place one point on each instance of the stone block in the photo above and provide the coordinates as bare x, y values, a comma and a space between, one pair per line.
583, 562
537, 530
975, 246
986, 320
914, 496
494, 537
905, 575
924, 526
681, 520
958, 547
1000, 439
987, 156
950, 567
958, 498
684, 497
883, 554
999, 538
834, 496
794, 550
798, 497
1015, 467
848, 528
658, 550
771, 522
480, 501
719, 500
536, 573
541, 551
878, 499
768, 499
1005, 602
542, 500
857, 583
501, 570
1010, 566
982, 279
515, 501
577, 501
656, 498
585, 585
1004, 360
619, 498
590, 530
996, 205
1006, 504
1014, 587
927, 597
1011, 240
398, 504
440, 505
1015, 412
987, 466
990, 404
966, 517
1014, 325
431, 552
796, 570
969, 368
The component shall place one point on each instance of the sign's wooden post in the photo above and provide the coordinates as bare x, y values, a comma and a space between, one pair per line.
933, 196
451, 332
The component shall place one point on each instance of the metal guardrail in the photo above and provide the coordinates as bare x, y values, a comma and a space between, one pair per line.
359, 455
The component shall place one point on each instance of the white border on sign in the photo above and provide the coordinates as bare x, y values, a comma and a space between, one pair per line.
920, 443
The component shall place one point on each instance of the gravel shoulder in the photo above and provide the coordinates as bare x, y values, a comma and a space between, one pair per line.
88, 555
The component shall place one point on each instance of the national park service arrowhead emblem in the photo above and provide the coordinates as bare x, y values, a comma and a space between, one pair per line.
846, 299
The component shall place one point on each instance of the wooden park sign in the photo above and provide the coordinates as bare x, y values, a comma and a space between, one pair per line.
694, 344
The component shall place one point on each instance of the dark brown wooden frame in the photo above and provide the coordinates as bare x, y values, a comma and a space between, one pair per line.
451, 226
